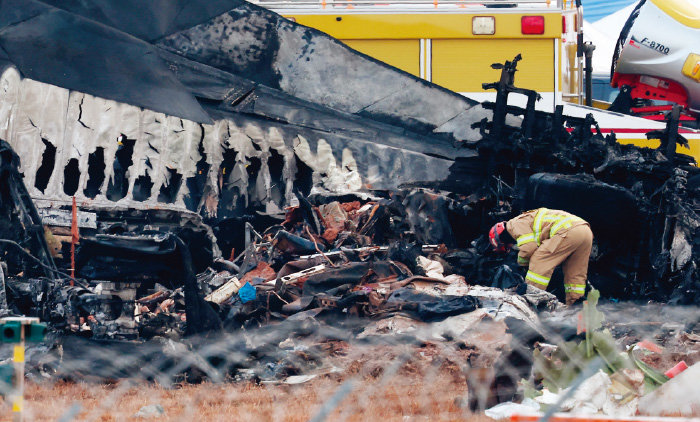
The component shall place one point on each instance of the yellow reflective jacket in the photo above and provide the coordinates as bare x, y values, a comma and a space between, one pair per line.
531, 228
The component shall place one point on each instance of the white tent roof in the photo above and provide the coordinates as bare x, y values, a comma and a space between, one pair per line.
604, 48
611, 25
598, 9
604, 34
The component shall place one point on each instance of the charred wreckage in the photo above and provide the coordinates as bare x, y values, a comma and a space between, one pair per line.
232, 198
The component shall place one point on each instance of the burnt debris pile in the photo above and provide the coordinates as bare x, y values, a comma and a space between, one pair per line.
642, 203
293, 288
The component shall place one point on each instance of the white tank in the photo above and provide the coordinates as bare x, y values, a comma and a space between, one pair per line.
662, 40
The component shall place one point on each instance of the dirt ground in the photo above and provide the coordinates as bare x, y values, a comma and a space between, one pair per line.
400, 382
398, 399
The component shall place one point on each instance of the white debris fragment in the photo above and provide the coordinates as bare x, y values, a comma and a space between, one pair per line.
508, 409
150, 411
679, 396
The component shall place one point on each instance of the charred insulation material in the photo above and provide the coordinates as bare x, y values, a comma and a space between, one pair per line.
157, 224
114, 269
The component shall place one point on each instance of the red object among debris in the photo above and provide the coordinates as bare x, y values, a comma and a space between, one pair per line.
351, 206
653, 88
658, 113
680, 367
263, 270
580, 326
650, 346
330, 234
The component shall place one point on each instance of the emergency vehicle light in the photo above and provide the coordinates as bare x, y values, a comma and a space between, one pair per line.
483, 25
532, 25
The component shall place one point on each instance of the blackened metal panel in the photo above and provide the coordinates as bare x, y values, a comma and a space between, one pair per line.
63, 49
206, 82
148, 20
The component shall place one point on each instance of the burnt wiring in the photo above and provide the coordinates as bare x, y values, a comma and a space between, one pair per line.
38, 261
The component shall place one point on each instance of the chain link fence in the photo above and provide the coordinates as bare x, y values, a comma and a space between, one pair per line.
325, 366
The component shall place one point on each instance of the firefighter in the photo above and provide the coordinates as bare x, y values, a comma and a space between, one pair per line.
547, 238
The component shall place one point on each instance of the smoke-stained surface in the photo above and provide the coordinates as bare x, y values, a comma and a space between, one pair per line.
233, 36
167, 150
368, 280
211, 100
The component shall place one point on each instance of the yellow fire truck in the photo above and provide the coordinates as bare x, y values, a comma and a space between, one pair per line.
452, 43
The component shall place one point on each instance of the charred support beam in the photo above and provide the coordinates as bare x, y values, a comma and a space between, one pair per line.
201, 318
557, 124
669, 136
502, 90
16, 205
504, 87
624, 102
669, 144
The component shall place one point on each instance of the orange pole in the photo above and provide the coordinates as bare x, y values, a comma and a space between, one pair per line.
73, 239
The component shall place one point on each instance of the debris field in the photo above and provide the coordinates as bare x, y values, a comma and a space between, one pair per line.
234, 252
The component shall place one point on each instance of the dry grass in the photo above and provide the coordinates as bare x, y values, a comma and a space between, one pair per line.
402, 398
389, 383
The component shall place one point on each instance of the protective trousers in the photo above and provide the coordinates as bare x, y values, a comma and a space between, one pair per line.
572, 248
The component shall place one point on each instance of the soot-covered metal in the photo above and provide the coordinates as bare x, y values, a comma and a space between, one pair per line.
238, 186
210, 100
341, 263
641, 203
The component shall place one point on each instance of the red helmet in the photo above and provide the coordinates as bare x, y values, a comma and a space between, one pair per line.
494, 237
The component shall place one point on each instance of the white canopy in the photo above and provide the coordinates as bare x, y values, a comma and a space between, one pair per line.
604, 34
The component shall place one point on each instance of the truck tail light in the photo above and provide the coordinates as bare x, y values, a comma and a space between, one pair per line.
532, 25
563, 24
